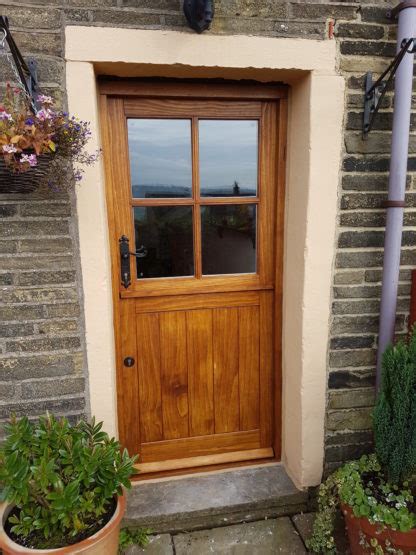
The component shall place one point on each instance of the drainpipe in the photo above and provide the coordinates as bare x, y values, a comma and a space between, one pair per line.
397, 181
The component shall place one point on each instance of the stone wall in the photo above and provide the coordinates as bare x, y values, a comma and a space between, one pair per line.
42, 362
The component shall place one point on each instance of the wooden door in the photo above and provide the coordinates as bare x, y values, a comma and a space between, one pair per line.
194, 179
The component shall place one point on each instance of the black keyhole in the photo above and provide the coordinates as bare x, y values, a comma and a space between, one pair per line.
129, 362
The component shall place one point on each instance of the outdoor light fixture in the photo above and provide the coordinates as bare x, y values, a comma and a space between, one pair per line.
199, 14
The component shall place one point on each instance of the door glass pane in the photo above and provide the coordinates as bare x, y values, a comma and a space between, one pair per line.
228, 153
160, 158
228, 239
164, 241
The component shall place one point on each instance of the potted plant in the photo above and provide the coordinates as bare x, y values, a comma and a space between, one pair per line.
64, 488
377, 494
39, 148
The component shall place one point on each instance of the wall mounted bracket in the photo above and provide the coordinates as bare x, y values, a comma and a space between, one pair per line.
25, 72
199, 14
375, 92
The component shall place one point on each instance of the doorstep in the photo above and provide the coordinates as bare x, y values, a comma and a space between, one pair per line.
215, 499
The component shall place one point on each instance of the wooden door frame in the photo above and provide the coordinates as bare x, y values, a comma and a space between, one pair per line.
177, 89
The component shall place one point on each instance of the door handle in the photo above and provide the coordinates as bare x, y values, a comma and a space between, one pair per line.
124, 245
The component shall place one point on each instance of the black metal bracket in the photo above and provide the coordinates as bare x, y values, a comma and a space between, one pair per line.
199, 14
124, 245
26, 71
375, 92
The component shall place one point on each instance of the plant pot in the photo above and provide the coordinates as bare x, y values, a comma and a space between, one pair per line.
104, 542
26, 182
361, 532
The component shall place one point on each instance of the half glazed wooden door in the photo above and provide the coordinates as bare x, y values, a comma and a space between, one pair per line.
195, 225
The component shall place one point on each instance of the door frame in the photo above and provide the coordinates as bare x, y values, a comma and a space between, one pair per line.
189, 90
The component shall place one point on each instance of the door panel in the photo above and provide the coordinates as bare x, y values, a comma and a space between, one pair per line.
192, 184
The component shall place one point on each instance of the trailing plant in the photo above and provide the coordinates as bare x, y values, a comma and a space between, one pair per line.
129, 537
380, 487
25, 137
62, 479
395, 412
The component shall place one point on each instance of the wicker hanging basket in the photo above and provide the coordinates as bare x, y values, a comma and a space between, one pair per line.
26, 182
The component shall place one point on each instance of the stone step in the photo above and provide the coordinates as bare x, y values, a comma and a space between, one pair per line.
214, 499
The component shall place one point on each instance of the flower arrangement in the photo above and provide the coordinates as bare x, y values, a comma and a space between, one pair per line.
378, 492
27, 139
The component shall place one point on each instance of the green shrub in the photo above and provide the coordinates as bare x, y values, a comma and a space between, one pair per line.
395, 412
62, 479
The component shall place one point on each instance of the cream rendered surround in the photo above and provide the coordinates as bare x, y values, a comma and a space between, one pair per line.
316, 107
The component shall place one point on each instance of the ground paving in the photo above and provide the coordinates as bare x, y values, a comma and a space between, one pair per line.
276, 535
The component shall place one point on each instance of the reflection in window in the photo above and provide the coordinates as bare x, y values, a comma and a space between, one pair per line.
228, 239
160, 158
228, 152
164, 241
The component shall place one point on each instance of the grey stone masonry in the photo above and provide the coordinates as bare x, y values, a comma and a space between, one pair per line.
42, 353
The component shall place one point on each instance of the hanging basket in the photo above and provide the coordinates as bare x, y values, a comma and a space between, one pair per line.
26, 182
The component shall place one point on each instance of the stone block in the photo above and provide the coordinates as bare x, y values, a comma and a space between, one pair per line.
357, 239
47, 295
360, 292
46, 278
37, 408
364, 259
129, 18
368, 48
43, 389
46, 209
359, 31
40, 262
367, 181
39, 42
356, 398
52, 327
359, 307
267, 536
341, 379
39, 366
343, 453
7, 391
22, 313
16, 330
352, 419
349, 278
32, 18
8, 247
376, 14
383, 121
358, 64
353, 342
362, 219
6, 279
348, 438
28, 228
366, 164
270, 9
343, 359
59, 245
62, 310
44, 344
323, 11
156, 5
75, 15
8, 210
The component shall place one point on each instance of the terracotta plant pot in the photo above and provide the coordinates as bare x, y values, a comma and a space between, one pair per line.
361, 532
104, 542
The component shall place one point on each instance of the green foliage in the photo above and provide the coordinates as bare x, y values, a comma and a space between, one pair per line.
361, 485
395, 412
130, 537
63, 478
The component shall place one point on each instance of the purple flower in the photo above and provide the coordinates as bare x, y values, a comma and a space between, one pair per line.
5, 116
9, 149
44, 99
30, 121
30, 159
43, 115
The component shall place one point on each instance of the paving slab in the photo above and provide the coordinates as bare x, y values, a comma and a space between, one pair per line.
265, 537
211, 500
160, 544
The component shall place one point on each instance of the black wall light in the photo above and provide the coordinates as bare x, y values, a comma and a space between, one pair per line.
199, 14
